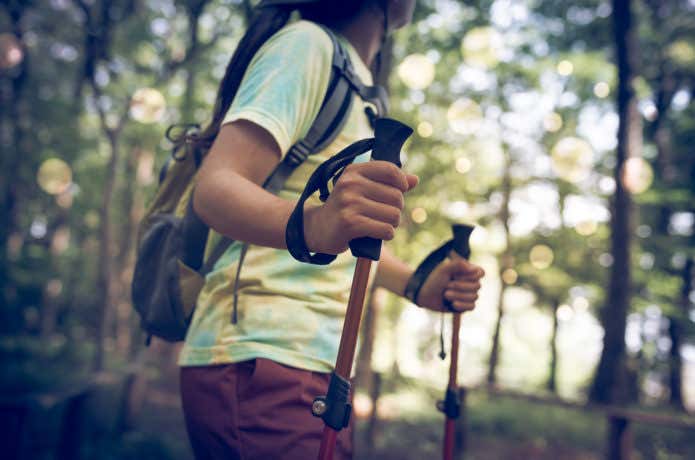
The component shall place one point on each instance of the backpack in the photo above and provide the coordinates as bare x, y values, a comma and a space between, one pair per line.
176, 249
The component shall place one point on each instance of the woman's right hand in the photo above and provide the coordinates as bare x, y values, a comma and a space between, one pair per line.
367, 200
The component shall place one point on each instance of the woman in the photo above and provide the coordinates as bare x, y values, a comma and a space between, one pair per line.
247, 386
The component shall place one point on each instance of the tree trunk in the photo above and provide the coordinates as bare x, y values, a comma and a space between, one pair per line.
13, 140
611, 369
505, 263
104, 282
194, 11
552, 377
495, 351
675, 332
666, 172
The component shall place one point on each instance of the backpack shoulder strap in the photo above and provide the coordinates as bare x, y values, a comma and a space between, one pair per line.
328, 123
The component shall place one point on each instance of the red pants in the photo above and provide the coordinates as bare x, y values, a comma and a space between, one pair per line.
255, 410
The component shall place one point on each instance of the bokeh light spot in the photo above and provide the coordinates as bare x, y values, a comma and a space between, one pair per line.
463, 165
419, 215
564, 312
580, 303
11, 53
54, 176
541, 256
465, 116
481, 47
54, 287
416, 71
637, 175
586, 227
605, 260
147, 106
61, 240
91, 219
424, 129
572, 159
565, 68
682, 52
601, 89
552, 122
362, 405
509, 276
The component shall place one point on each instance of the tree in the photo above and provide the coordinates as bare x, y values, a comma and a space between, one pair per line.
611, 370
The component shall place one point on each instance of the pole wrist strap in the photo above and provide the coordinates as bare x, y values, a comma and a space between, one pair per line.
418, 278
327, 171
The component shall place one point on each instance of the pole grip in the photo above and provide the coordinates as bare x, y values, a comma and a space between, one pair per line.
460, 245
389, 137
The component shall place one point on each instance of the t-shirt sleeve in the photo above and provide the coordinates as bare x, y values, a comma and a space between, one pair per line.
285, 83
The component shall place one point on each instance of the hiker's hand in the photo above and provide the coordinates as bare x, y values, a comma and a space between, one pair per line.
367, 200
456, 280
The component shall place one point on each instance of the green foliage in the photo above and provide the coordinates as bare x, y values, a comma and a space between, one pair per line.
72, 98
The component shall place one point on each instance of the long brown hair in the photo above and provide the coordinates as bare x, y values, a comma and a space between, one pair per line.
266, 21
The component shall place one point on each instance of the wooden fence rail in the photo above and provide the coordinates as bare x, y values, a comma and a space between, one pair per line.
619, 439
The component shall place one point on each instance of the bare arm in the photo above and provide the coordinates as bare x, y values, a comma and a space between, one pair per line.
229, 196
366, 201
393, 274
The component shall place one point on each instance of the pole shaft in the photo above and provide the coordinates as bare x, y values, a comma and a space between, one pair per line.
348, 342
327, 443
453, 367
353, 315
449, 437
450, 424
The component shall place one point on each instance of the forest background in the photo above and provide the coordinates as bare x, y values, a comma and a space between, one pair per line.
563, 130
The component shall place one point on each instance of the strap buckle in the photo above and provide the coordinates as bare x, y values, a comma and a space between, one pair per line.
298, 153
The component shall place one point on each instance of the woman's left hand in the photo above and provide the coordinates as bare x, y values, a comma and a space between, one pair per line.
456, 280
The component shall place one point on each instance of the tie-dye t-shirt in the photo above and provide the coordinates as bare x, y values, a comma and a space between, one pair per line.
288, 311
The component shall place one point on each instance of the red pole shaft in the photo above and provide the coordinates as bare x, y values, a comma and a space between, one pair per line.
449, 437
348, 342
327, 443
450, 424
353, 315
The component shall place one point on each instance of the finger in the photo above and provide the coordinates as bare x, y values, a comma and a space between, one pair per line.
382, 193
468, 297
461, 265
381, 212
460, 285
384, 172
365, 226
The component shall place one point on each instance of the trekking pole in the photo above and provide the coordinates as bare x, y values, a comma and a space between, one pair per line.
456, 247
334, 408
451, 405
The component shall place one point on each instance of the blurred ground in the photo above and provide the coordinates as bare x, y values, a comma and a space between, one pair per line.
161, 420
497, 429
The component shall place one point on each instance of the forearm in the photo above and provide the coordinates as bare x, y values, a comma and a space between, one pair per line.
393, 274
242, 210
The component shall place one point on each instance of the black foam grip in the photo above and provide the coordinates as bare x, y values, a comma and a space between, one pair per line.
389, 136
460, 243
